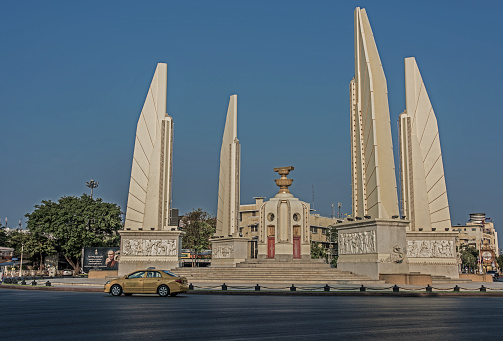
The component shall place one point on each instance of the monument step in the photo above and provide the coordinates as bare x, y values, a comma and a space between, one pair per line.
273, 275
448, 280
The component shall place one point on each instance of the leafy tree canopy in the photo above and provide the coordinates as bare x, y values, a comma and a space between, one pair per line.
73, 223
198, 226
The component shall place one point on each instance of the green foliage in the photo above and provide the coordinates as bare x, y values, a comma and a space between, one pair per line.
469, 256
499, 259
318, 251
198, 226
73, 223
4, 238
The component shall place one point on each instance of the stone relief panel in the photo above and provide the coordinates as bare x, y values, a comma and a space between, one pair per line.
357, 243
222, 251
430, 248
149, 247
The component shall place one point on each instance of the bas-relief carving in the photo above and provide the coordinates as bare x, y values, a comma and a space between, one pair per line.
430, 248
222, 251
357, 243
149, 247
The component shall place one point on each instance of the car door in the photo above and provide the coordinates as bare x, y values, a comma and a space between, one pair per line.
134, 283
152, 282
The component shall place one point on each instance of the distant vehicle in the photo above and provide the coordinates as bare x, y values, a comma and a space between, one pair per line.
67, 272
495, 274
150, 281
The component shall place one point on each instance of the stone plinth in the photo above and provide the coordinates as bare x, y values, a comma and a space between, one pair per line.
433, 253
227, 252
373, 247
143, 249
410, 279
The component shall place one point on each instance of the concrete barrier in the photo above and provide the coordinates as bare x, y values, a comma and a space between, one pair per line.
412, 279
477, 277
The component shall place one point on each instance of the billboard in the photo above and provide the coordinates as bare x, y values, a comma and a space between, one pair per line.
101, 258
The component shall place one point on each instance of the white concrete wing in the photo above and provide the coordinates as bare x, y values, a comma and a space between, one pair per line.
373, 168
150, 185
229, 176
424, 193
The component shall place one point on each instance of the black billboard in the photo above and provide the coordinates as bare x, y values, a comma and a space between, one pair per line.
101, 258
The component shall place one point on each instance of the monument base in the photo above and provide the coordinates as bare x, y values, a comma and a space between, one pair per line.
410, 278
144, 249
373, 247
433, 253
228, 251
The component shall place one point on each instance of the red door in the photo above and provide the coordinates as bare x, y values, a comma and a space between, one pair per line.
270, 247
296, 247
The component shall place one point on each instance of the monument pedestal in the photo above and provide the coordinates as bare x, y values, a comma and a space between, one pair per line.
373, 247
433, 253
142, 249
228, 251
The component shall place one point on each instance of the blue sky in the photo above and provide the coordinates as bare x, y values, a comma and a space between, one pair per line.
74, 75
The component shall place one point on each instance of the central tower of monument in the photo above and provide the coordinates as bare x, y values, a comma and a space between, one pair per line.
284, 224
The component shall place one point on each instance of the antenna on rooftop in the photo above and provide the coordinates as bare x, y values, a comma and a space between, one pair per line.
313, 197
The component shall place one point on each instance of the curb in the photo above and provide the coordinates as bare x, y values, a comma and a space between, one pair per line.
276, 293
51, 288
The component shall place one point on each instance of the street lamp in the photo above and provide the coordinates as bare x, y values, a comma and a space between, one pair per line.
92, 185
21, 265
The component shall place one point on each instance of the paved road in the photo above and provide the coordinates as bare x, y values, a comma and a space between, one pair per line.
42, 315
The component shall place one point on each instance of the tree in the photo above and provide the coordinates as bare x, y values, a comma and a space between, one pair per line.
198, 226
318, 251
73, 223
499, 259
4, 238
469, 256
31, 244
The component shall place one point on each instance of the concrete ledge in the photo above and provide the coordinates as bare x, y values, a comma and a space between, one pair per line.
477, 277
101, 273
411, 278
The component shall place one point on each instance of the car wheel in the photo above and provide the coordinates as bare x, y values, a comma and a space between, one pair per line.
116, 290
163, 290
173, 294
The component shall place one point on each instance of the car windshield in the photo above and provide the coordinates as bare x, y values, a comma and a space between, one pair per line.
169, 273
138, 274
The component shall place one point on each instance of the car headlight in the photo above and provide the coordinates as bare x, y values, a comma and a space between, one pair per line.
107, 282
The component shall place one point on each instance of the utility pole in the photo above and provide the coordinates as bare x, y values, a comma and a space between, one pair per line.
21, 265
92, 185
339, 205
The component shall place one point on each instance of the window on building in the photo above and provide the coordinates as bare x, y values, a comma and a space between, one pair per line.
434, 229
314, 229
474, 229
323, 231
254, 213
254, 228
240, 216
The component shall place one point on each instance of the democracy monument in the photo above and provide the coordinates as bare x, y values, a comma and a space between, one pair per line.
376, 241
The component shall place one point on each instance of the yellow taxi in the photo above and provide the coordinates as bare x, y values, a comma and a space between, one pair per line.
150, 281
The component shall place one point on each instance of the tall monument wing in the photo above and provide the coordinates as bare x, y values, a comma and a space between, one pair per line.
149, 196
228, 186
374, 189
424, 193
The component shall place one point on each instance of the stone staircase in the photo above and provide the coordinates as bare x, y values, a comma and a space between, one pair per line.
251, 272
448, 280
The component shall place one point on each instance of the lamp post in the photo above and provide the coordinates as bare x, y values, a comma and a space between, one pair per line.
21, 265
92, 185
